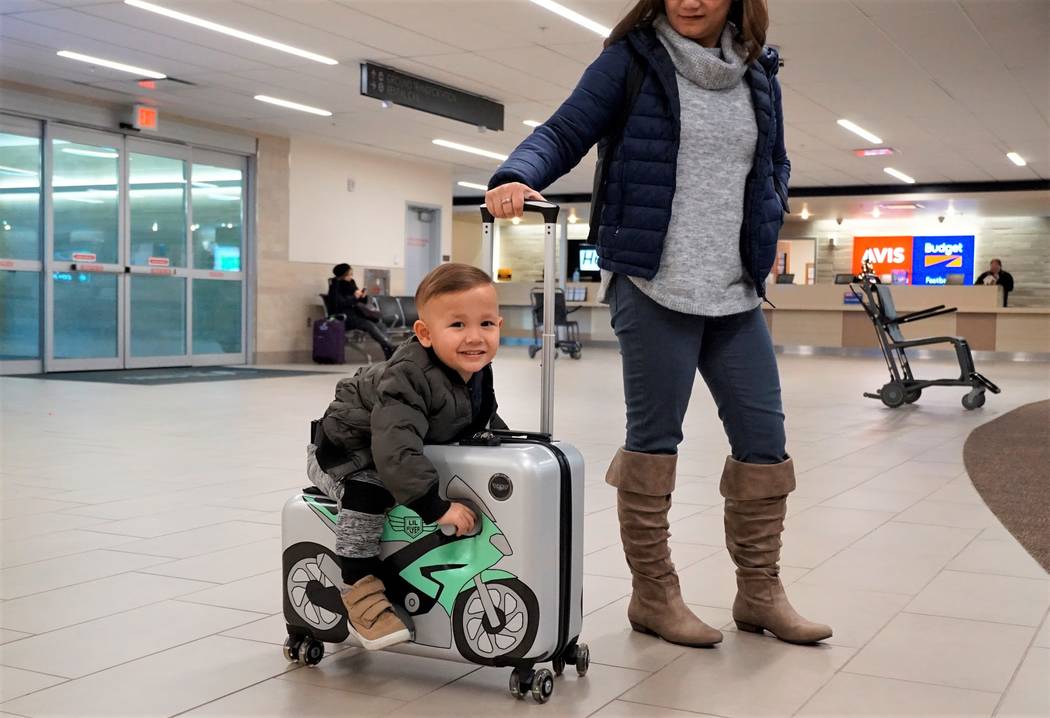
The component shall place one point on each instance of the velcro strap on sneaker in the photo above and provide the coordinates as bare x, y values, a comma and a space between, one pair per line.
368, 586
373, 608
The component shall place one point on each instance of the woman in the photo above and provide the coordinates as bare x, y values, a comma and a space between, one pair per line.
345, 298
691, 207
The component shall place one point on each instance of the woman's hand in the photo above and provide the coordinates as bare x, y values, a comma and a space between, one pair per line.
508, 200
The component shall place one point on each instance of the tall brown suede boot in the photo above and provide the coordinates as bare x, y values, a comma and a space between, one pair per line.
644, 484
756, 502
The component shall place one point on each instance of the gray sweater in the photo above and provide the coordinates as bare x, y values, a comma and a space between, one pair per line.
700, 270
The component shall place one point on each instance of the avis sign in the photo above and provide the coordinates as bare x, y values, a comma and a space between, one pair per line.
885, 253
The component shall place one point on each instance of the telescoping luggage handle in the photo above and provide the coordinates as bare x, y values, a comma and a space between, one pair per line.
549, 210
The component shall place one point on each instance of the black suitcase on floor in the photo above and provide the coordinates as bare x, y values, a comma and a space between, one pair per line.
330, 341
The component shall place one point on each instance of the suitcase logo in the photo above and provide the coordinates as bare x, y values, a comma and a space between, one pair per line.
449, 585
411, 525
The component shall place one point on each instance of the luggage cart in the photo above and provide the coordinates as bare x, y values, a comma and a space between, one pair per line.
903, 387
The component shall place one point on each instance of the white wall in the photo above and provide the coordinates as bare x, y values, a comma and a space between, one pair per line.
365, 227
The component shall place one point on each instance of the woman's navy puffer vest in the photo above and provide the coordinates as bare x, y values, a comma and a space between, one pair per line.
641, 179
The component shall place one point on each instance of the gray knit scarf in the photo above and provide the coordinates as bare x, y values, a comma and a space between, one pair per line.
700, 65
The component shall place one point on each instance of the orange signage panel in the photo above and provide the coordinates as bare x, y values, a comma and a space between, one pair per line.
885, 253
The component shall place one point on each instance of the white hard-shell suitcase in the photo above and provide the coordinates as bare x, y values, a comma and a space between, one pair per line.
509, 595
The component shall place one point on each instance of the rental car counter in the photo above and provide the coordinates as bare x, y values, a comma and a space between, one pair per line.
822, 315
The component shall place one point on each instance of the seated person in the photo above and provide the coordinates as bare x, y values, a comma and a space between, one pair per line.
344, 297
437, 388
997, 275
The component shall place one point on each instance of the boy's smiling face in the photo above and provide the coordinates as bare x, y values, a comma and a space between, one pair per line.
462, 328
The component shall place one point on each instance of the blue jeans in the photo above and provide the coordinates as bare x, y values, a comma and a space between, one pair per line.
662, 350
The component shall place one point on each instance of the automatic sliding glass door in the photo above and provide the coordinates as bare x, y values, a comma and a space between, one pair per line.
84, 286
21, 245
157, 326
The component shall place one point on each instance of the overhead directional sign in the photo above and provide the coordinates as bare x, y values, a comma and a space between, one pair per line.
390, 85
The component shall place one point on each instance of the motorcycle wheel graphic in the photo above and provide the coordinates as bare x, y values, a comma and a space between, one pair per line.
481, 642
305, 584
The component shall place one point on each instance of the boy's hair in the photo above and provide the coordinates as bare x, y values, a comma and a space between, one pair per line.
448, 279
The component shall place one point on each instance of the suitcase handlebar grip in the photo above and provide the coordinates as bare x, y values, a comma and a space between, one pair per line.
450, 530
549, 210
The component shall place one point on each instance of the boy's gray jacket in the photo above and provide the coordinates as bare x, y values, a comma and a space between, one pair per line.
385, 413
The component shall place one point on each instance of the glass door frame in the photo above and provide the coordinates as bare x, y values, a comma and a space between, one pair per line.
29, 128
222, 159
171, 151
89, 137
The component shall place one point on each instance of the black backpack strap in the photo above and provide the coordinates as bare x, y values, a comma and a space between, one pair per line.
607, 145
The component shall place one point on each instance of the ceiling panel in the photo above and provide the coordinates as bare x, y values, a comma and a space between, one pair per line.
157, 45
952, 84
373, 33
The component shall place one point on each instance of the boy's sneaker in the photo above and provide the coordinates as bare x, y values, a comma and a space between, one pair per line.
372, 618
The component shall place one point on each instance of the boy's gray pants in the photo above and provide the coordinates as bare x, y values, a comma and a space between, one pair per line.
357, 534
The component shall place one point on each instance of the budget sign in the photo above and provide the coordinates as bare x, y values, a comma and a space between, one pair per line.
935, 258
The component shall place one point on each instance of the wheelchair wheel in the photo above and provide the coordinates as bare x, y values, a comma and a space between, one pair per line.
912, 395
973, 400
892, 394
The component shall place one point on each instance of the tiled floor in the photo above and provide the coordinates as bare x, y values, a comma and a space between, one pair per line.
139, 571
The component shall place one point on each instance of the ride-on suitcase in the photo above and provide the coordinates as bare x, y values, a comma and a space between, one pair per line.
330, 341
509, 595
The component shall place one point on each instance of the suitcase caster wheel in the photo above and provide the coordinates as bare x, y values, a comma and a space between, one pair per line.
542, 685
558, 664
973, 400
519, 686
292, 644
311, 651
583, 659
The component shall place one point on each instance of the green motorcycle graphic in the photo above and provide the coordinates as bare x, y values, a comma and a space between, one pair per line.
447, 584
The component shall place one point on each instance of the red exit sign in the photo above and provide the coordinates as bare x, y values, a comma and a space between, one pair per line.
145, 117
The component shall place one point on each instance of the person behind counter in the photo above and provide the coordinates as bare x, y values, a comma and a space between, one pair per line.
997, 275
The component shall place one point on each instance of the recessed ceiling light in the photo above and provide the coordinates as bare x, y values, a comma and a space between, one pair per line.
232, 32
141, 72
574, 16
91, 153
515, 220
874, 152
804, 214
875, 212
858, 130
899, 175
293, 105
531, 123
471, 150
1016, 159
573, 217
473, 185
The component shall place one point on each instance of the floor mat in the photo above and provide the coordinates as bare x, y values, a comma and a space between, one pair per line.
1008, 460
170, 375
